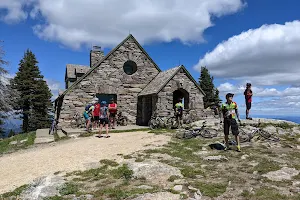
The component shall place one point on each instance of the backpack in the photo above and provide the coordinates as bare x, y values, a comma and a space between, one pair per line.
87, 108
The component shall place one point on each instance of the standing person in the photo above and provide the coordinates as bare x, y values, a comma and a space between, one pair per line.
230, 113
96, 114
248, 99
104, 115
179, 112
112, 107
87, 114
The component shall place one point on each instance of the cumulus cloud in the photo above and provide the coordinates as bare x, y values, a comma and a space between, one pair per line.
269, 55
107, 22
14, 10
260, 91
54, 86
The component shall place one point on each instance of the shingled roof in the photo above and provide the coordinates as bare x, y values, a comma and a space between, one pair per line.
160, 81
73, 69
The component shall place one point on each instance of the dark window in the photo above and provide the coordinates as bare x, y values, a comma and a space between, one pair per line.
130, 67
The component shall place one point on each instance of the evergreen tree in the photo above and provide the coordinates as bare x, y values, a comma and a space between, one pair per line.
4, 105
34, 101
207, 85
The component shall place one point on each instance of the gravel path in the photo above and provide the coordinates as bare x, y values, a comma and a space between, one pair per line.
22, 167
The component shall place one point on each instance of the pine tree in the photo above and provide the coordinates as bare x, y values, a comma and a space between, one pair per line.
207, 85
4, 105
34, 100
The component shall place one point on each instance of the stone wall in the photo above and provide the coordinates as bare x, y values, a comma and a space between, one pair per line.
165, 96
110, 78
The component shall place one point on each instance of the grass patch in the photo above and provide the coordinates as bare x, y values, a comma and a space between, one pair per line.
210, 189
54, 198
139, 159
16, 192
265, 166
161, 131
265, 193
173, 178
122, 192
109, 162
6, 147
68, 188
191, 172
282, 125
122, 172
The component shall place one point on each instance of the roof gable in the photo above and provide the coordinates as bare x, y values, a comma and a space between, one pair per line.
103, 59
162, 79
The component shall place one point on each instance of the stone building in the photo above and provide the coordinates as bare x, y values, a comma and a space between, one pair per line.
131, 77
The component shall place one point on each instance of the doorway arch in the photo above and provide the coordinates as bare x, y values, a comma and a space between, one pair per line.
181, 94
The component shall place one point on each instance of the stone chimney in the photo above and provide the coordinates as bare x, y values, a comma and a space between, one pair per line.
96, 54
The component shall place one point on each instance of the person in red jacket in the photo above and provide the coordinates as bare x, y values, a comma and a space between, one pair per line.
248, 99
112, 108
96, 114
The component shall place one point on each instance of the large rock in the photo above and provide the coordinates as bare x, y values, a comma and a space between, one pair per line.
154, 171
283, 174
43, 187
158, 196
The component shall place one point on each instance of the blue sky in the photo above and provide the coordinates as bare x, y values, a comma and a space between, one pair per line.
267, 56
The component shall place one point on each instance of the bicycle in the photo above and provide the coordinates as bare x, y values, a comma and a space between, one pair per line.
156, 122
202, 131
262, 133
77, 121
121, 120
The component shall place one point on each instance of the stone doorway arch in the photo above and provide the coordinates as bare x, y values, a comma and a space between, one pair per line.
181, 94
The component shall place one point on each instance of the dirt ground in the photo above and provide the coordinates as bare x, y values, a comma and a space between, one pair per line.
24, 166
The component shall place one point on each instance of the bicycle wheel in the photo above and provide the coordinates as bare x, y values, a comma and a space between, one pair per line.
73, 123
152, 124
172, 123
188, 135
206, 134
268, 136
244, 137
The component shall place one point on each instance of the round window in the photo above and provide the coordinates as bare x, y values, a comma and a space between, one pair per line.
130, 67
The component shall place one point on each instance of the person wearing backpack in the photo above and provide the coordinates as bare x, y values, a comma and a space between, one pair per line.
86, 114
103, 117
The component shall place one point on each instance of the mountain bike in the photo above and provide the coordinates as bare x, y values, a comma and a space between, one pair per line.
193, 133
263, 133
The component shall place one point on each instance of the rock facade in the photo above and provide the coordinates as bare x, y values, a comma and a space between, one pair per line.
181, 82
110, 78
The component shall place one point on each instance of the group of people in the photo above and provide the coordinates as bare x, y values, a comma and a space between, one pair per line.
229, 114
100, 115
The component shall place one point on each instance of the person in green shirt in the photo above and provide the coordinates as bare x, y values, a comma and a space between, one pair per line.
229, 113
179, 112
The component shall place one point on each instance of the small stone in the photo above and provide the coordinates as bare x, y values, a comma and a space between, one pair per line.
204, 149
13, 142
216, 158
255, 172
296, 183
199, 176
197, 196
145, 187
198, 192
244, 157
298, 146
22, 141
192, 188
203, 166
178, 188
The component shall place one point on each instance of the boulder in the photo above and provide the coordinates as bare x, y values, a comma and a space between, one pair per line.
154, 171
284, 173
216, 158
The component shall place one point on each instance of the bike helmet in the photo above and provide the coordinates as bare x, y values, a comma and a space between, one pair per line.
229, 95
103, 102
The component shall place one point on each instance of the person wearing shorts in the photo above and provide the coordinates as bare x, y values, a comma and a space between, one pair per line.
112, 107
248, 99
96, 114
87, 119
179, 112
230, 114
103, 117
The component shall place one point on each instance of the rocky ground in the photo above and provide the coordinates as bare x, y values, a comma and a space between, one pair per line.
187, 169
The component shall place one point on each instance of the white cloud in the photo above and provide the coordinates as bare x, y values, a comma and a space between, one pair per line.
14, 10
107, 22
269, 55
54, 86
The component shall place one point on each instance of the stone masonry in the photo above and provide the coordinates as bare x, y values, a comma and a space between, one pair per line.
110, 78
140, 95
